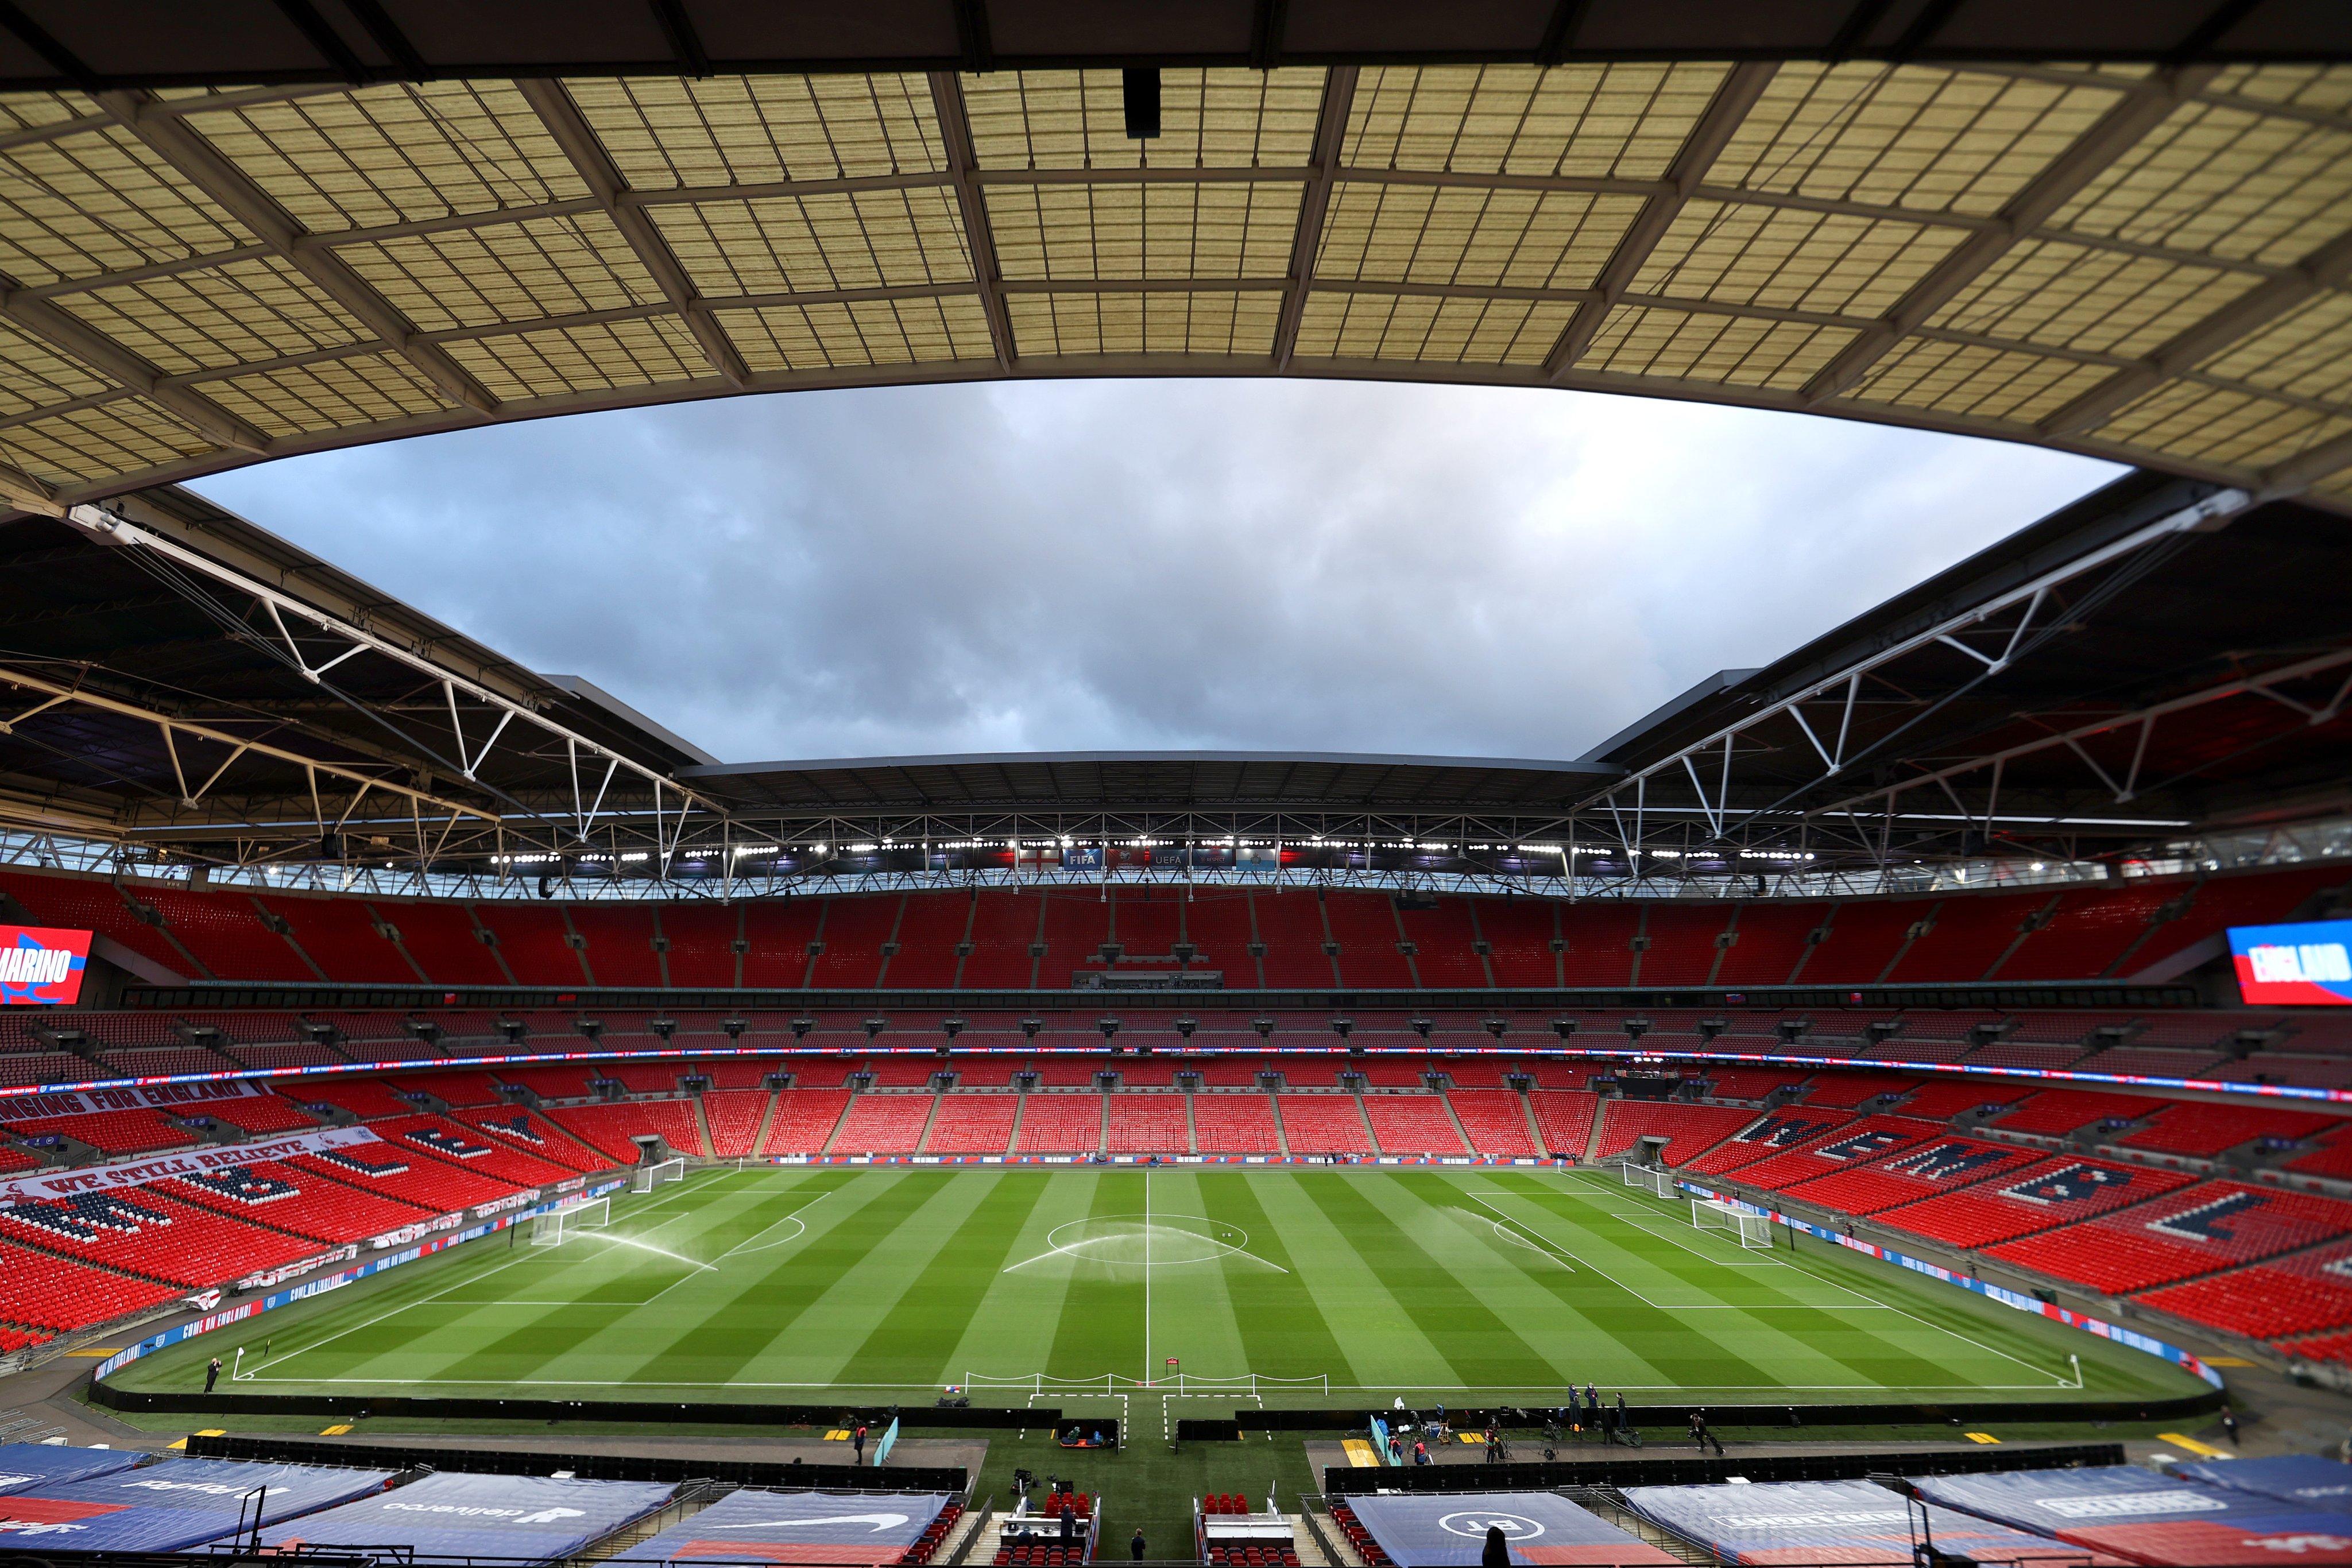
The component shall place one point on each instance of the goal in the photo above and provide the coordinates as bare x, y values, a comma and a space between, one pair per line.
1657, 1183
552, 1229
1754, 1230
653, 1177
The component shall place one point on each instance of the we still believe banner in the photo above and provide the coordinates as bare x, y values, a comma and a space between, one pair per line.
183, 1162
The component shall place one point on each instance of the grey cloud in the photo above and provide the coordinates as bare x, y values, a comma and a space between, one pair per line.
1154, 564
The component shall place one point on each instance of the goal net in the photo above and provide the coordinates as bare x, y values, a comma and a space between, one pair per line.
653, 1177
1657, 1183
1753, 1230
551, 1229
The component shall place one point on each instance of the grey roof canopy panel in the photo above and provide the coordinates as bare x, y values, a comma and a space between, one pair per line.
93, 44
1174, 780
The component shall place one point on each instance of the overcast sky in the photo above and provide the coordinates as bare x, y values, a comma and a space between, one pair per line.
1159, 565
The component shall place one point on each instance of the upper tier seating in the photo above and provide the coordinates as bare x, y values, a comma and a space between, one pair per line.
2207, 1228
1323, 1124
1061, 1123
972, 1124
1850, 1090
1412, 1124
2090, 931
1148, 1124
1496, 1120
2057, 1191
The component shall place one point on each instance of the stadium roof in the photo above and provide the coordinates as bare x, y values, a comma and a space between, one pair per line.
2163, 656
1142, 781
229, 232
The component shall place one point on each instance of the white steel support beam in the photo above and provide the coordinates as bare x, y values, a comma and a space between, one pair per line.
279, 605
2031, 594
173, 727
2261, 686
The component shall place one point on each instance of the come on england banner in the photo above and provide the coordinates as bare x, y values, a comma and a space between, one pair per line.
133, 1173
173, 1097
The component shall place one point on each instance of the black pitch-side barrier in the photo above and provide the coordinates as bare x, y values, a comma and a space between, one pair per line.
1723, 1418
1340, 1481
666, 1467
650, 1412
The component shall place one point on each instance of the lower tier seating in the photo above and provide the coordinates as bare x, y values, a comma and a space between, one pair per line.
2211, 1227
734, 1116
1496, 1120
2043, 1197
1060, 1124
1233, 1123
48, 1292
2297, 1295
805, 1120
1322, 1124
609, 1129
972, 1124
1148, 1124
885, 1123
1412, 1124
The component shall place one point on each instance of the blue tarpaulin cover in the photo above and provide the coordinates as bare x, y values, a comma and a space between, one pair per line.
2151, 1518
1832, 1521
754, 1526
175, 1504
2290, 1477
1450, 1531
25, 1465
527, 1518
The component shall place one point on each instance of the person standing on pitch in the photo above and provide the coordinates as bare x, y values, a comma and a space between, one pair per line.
212, 1373
1135, 1544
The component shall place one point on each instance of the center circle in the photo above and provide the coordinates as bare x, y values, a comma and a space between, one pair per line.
1154, 1240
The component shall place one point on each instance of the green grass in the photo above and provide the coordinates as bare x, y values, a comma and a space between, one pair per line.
801, 1285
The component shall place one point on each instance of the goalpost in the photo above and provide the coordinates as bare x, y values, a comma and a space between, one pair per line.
551, 1229
652, 1176
1754, 1230
1657, 1183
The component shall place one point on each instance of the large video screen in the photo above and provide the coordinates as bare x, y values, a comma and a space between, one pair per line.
41, 966
2308, 965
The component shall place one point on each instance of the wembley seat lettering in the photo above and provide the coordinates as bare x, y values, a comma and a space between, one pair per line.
2072, 1184
81, 1217
445, 1142
244, 1186
2206, 1222
1946, 1161
1782, 1131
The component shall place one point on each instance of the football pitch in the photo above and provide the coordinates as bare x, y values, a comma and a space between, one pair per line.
1296, 1287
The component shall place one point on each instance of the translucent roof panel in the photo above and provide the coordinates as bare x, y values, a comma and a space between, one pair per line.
2147, 263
